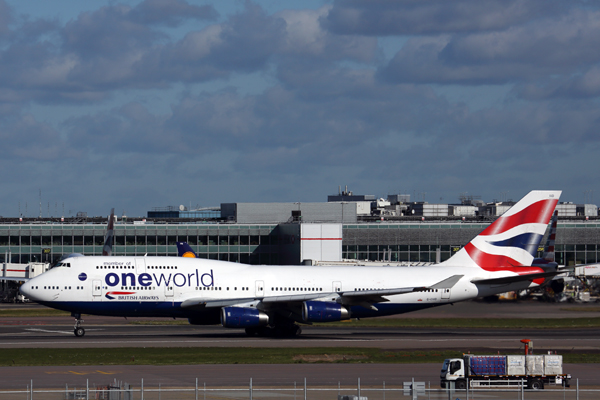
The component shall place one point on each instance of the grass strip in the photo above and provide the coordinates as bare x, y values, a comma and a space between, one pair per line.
191, 356
480, 323
581, 309
33, 312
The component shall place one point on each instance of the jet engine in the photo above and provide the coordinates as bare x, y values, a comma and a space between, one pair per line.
320, 311
243, 317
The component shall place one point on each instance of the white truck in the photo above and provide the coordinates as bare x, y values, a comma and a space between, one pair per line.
532, 371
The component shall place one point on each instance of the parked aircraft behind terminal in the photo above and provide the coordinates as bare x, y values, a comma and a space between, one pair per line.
270, 300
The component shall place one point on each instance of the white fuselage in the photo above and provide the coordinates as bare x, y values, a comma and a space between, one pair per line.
157, 286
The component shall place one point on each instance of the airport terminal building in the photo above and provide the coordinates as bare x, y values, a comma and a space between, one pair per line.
282, 233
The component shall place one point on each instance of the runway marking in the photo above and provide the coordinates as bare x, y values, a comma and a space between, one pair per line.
82, 373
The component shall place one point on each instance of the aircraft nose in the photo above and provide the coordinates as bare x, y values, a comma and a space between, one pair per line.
26, 290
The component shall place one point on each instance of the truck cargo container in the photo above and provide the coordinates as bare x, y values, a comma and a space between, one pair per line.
534, 371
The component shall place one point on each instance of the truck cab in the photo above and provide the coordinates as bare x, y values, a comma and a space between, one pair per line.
453, 370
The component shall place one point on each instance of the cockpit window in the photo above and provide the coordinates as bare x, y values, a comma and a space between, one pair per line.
63, 264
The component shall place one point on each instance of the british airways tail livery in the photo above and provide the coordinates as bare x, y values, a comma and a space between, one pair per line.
270, 300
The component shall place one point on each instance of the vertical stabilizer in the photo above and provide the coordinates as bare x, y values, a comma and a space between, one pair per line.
513, 239
108, 238
185, 250
549, 247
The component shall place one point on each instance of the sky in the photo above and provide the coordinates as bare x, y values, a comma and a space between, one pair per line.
142, 104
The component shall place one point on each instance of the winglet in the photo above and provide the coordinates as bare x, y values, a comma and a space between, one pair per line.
447, 283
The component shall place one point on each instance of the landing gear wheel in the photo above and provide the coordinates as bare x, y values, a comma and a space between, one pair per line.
287, 331
296, 330
78, 330
252, 331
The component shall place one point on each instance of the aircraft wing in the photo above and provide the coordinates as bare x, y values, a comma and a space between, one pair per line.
516, 278
358, 297
200, 303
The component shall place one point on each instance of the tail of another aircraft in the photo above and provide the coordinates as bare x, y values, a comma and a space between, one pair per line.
513, 239
549, 248
184, 250
108, 238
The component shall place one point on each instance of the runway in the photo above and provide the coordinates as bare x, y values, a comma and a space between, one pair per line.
54, 332
40, 332
475, 340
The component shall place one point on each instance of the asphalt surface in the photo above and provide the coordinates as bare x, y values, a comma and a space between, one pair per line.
39, 332
36, 332
474, 340
371, 375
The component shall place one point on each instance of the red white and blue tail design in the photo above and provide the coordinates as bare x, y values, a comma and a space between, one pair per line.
511, 242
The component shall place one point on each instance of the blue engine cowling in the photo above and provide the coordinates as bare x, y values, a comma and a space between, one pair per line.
320, 311
242, 317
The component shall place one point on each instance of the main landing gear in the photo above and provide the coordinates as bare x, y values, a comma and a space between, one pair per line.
280, 331
78, 330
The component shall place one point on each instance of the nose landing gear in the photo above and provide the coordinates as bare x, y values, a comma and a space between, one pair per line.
78, 330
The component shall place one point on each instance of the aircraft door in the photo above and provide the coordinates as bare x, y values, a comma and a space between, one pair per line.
140, 265
337, 286
97, 290
169, 290
445, 294
260, 289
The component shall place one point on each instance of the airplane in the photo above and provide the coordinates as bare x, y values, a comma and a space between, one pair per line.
269, 300
548, 259
108, 237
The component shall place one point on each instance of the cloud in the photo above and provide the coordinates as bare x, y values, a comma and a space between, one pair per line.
5, 18
25, 138
93, 54
305, 37
417, 17
328, 107
171, 12
541, 48
118, 47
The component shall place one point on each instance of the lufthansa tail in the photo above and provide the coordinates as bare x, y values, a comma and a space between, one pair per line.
184, 250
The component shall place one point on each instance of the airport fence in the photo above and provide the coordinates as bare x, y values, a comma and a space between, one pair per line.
300, 391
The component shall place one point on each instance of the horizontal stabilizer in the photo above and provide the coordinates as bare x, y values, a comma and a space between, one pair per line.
515, 278
447, 283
